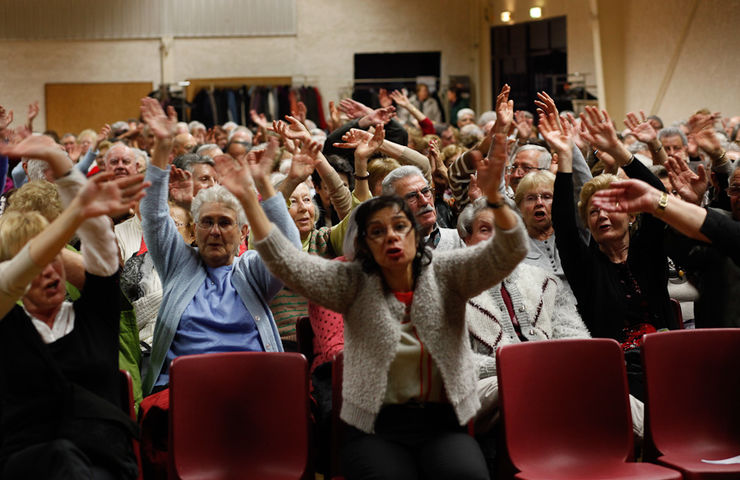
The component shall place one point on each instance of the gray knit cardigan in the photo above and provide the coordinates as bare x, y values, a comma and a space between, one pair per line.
372, 314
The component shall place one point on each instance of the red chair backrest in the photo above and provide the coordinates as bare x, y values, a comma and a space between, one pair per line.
239, 414
564, 403
692, 386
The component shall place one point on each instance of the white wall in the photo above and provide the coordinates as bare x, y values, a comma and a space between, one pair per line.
329, 33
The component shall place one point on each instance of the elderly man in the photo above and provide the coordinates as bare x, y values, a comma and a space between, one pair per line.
213, 301
121, 160
465, 116
674, 142
409, 183
527, 158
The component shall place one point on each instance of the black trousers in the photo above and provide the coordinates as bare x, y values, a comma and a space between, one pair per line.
56, 460
413, 442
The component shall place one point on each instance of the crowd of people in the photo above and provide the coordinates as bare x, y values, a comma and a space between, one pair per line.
415, 247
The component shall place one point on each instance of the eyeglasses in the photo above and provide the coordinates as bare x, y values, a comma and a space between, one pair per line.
733, 190
534, 197
378, 233
412, 198
525, 168
224, 224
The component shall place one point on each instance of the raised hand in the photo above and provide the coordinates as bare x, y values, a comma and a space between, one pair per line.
6, 118
558, 135
163, 126
689, 185
75, 152
491, 168
369, 146
353, 138
235, 175
260, 163
300, 112
640, 127
181, 186
474, 191
103, 134
524, 129
628, 196
546, 104
598, 130
304, 161
383, 98
293, 130
103, 196
504, 111
439, 169
334, 116
701, 128
381, 116
354, 109
33, 111
259, 119
400, 98
575, 129
38, 146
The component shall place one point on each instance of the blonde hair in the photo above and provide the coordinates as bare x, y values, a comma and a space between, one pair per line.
378, 168
38, 196
532, 180
450, 153
601, 182
16, 229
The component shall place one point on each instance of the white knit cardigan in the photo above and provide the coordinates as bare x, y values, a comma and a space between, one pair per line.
373, 315
544, 308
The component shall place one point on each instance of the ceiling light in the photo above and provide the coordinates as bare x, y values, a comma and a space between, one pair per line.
535, 12
506, 16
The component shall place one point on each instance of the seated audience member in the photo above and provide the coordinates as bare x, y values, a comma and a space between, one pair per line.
62, 416
408, 183
620, 278
326, 216
287, 306
212, 300
714, 268
465, 116
400, 309
530, 304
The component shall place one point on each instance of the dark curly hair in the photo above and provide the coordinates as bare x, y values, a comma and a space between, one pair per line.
362, 216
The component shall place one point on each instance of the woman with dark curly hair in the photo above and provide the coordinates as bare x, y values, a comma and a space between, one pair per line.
409, 375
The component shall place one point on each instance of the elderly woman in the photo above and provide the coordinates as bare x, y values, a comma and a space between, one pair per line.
620, 278
406, 345
530, 304
59, 380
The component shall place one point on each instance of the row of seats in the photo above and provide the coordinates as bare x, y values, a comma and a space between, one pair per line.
564, 406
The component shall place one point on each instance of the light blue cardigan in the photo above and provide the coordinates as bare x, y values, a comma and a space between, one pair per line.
182, 271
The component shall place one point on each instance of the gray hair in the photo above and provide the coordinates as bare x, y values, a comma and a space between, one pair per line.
138, 153
637, 147
388, 185
218, 194
466, 217
672, 132
543, 159
241, 129
36, 169
195, 159
116, 145
463, 112
195, 124
206, 147
486, 117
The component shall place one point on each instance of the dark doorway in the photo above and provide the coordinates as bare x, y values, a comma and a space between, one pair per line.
530, 57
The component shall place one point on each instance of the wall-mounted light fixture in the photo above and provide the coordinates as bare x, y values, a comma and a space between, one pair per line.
506, 16
535, 12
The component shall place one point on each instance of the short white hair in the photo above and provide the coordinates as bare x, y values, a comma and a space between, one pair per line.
463, 112
218, 194
36, 169
485, 117
195, 124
